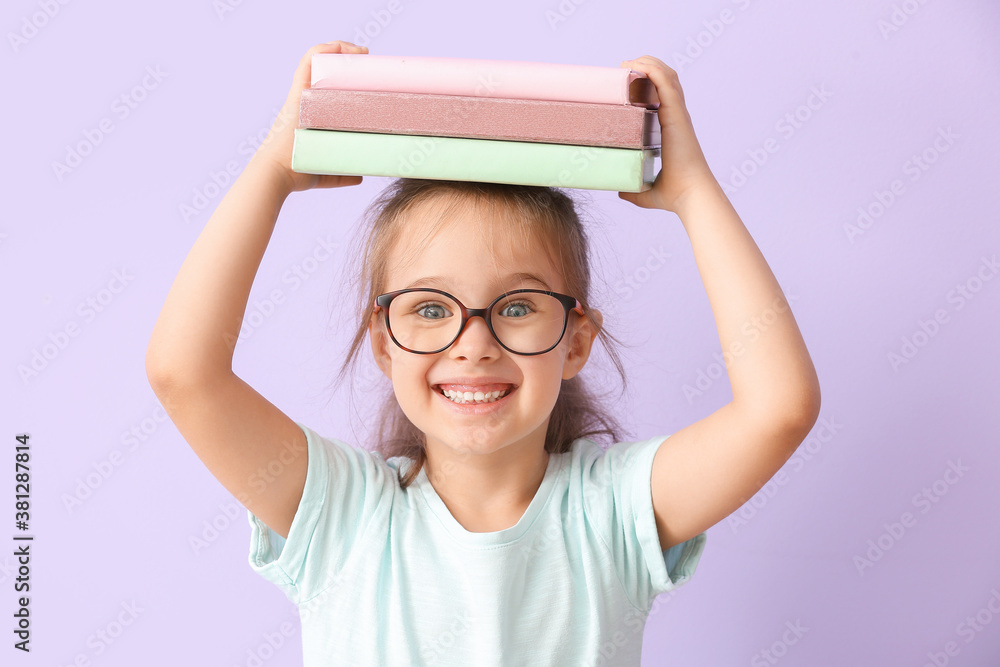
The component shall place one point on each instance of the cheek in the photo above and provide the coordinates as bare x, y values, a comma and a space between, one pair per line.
409, 373
547, 374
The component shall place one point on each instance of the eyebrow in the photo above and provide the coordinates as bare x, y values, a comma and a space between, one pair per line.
520, 278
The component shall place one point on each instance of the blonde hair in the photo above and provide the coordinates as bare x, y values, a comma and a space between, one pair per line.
528, 212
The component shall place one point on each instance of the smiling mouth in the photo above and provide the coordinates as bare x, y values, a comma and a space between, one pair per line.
474, 397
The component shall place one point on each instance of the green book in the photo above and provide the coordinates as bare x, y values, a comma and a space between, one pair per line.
464, 159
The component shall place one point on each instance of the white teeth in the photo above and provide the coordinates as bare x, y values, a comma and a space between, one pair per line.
474, 397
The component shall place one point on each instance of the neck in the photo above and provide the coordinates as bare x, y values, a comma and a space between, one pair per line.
487, 492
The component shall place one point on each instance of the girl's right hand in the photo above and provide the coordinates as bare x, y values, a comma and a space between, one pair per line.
276, 149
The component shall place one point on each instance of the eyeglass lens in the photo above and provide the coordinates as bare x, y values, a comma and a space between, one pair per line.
526, 322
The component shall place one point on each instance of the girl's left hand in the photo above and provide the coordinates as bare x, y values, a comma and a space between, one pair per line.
683, 165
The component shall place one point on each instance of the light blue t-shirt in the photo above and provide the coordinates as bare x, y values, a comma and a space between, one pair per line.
385, 576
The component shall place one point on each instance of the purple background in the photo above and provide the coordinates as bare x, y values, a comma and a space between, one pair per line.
887, 432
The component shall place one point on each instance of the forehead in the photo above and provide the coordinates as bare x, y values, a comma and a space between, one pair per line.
457, 244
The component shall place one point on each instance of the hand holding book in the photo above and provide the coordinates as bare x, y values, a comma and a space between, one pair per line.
684, 168
276, 149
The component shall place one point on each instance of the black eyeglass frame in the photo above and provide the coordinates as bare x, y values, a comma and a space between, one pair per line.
569, 303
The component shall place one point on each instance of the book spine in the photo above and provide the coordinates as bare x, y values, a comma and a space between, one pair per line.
453, 158
482, 78
609, 125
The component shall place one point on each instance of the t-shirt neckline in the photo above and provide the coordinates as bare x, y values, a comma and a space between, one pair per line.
498, 537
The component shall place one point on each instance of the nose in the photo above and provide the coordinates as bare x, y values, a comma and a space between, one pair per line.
475, 341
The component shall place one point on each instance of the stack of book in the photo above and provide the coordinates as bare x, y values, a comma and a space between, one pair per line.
496, 121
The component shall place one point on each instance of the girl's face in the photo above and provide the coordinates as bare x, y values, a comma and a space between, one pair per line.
459, 261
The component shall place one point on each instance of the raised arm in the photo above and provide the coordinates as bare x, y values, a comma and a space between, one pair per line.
706, 471
235, 431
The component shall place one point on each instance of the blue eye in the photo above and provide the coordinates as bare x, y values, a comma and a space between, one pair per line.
516, 310
432, 311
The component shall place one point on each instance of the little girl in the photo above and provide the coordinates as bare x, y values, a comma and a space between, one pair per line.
486, 528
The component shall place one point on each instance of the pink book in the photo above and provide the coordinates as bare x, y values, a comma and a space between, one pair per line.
469, 77
612, 125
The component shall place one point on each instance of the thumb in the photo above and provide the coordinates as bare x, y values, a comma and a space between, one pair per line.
337, 181
640, 199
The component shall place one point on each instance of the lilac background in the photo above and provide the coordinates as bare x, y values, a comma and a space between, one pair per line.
886, 432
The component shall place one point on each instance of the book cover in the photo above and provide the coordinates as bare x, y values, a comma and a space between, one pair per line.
612, 125
455, 158
471, 77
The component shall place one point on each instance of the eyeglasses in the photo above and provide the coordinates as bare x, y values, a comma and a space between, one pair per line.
524, 321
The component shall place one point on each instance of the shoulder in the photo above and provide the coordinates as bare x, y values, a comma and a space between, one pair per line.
610, 462
333, 458
612, 479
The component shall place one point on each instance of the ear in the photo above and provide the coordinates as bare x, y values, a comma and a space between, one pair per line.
581, 340
380, 349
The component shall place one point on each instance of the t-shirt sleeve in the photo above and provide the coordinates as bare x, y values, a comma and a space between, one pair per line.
347, 490
621, 502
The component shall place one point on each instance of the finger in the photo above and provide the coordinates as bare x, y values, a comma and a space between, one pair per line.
668, 85
337, 181
647, 64
630, 196
664, 78
661, 75
653, 60
302, 78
